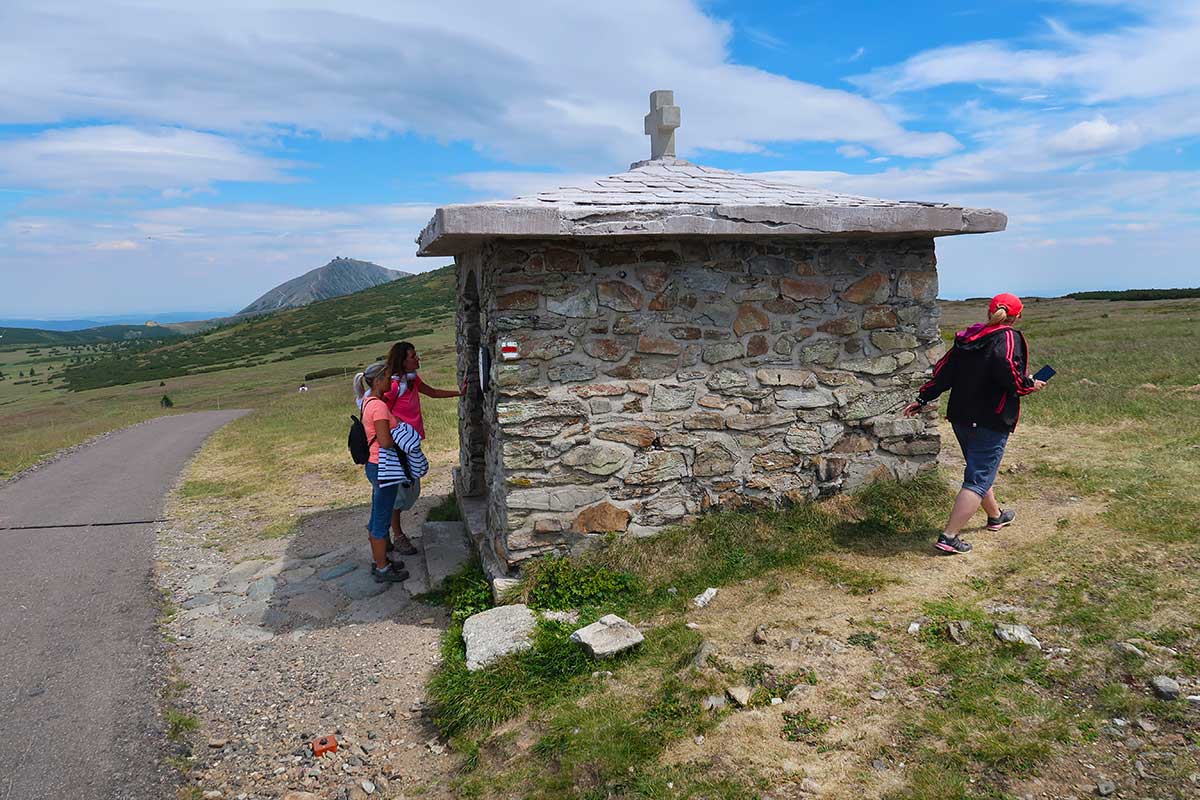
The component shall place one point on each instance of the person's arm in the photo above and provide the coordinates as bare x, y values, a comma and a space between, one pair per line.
429, 391
943, 379
383, 435
391, 394
1010, 368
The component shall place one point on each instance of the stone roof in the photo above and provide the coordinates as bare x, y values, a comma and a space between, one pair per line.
671, 197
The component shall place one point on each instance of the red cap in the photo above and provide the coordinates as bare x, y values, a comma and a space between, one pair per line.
1012, 304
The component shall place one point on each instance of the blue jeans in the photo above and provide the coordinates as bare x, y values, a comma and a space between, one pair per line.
382, 500
982, 448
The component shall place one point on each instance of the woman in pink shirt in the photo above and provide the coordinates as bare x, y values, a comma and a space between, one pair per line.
404, 402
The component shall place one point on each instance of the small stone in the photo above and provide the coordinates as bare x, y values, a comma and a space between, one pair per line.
957, 631
1016, 634
880, 694
809, 786
1127, 649
714, 702
699, 740
213, 794
1166, 688
1105, 787
704, 598
760, 634
607, 636
368, 787
217, 743
693, 626
914, 628
1147, 725
602, 675
740, 695
878, 764
776, 701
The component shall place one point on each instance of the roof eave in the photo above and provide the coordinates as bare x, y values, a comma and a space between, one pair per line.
456, 228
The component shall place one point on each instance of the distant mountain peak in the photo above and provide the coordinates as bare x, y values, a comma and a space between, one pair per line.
341, 276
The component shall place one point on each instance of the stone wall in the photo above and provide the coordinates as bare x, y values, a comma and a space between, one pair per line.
658, 379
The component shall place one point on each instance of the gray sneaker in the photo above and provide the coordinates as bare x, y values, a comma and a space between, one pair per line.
952, 546
389, 574
1005, 519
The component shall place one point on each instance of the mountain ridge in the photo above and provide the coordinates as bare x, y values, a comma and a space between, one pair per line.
341, 276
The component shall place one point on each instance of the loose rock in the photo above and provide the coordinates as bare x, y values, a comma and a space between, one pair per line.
1104, 788
1166, 688
1016, 634
740, 695
705, 597
607, 636
497, 632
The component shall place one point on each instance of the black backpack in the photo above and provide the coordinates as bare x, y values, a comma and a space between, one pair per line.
360, 448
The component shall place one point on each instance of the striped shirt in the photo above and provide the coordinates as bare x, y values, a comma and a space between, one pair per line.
391, 471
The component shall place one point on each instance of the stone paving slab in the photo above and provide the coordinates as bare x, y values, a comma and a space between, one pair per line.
446, 550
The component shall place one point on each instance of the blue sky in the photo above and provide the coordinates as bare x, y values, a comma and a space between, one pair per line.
157, 156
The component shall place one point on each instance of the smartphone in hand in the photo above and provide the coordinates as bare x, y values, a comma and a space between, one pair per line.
1045, 373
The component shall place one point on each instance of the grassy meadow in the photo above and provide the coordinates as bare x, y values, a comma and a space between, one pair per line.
258, 363
1101, 470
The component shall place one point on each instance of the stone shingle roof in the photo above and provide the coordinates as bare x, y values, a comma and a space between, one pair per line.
671, 197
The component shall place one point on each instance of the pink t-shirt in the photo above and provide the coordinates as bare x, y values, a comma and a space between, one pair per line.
375, 409
407, 407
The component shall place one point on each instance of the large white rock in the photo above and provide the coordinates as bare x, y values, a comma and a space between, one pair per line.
607, 636
497, 632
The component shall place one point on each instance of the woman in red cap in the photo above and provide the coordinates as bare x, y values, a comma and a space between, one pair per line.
986, 373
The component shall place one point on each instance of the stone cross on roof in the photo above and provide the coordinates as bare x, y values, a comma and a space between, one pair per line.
661, 123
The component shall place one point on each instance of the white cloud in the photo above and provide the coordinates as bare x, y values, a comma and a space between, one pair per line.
853, 151
117, 157
193, 256
535, 82
1096, 136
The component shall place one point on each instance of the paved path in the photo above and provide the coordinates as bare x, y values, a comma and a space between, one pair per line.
78, 644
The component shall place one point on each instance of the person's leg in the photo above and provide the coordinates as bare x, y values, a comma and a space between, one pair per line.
381, 512
965, 505
990, 505
406, 498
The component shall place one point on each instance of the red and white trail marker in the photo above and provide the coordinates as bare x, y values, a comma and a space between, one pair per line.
509, 350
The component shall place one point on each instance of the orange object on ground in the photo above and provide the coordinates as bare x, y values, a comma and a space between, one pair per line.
324, 744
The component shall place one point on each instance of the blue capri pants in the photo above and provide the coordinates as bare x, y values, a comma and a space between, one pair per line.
382, 500
982, 448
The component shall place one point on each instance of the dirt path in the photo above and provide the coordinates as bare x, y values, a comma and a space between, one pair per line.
864, 690
286, 640
79, 664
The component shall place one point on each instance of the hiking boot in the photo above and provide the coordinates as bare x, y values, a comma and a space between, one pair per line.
388, 574
404, 547
394, 557
1005, 518
951, 546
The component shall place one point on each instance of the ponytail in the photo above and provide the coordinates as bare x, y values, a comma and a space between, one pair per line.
998, 317
360, 388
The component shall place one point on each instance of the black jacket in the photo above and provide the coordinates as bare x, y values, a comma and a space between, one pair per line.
986, 373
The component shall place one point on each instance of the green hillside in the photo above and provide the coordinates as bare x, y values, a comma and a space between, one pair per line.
404, 308
101, 335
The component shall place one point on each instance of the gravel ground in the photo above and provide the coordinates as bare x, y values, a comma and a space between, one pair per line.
291, 639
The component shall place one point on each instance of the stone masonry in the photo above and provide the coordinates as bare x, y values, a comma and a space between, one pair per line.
658, 379
686, 338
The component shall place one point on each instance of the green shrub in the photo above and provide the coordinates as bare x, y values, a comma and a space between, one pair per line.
558, 582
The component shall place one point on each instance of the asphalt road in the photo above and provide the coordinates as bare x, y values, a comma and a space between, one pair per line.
80, 657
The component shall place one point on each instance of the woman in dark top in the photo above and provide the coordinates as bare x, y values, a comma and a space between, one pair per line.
986, 373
